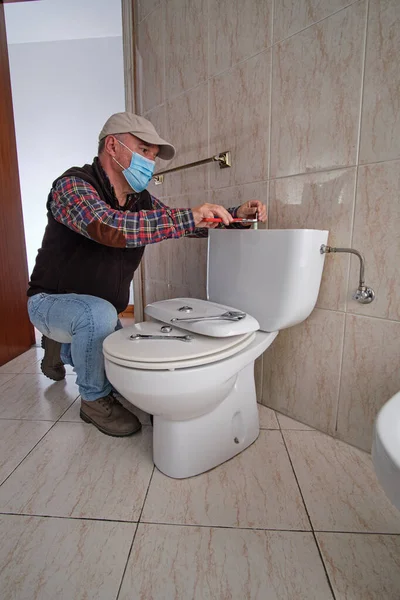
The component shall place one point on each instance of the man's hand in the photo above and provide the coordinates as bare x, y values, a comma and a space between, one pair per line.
209, 211
251, 209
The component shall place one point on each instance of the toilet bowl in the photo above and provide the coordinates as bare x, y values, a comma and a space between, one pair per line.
386, 449
195, 373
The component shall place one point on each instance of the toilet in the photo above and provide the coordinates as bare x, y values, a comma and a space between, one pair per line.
386, 449
194, 372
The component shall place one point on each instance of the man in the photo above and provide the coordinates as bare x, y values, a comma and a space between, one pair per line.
100, 218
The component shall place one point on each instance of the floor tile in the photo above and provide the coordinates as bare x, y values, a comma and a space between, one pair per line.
62, 559
257, 488
17, 365
17, 438
5, 377
72, 413
198, 563
339, 485
78, 471
362, 567
35, 397
288, 423
267, 417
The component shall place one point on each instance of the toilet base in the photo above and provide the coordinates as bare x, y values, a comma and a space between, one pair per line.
187, 448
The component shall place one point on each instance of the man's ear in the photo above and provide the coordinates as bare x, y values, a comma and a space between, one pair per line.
111, 144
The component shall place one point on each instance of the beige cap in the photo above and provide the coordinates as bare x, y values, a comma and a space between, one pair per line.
140, 127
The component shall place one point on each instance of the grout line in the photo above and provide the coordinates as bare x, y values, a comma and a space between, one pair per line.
270, 101
297, 481
323, 565
197, 525
340, 374
134, 536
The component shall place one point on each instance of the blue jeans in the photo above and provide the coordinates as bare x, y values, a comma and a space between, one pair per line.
81, 323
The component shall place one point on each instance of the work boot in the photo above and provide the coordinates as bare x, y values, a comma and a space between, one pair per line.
51, 364
109, 416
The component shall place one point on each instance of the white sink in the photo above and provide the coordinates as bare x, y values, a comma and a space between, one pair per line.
386, 448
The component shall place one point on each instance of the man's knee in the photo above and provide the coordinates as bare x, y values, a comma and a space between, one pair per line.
98, 314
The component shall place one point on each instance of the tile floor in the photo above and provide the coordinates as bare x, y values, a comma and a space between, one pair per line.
296, 516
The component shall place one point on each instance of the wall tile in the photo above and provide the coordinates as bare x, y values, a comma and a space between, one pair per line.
319, 201
370, 376
293, 15
316, 95
145, 7
377, 236
188, 263
380, 125
238, 29
154, 291
186, 45
301, 370
151, 60
239, 121
156, 261
187, 128
158, 116
237, 195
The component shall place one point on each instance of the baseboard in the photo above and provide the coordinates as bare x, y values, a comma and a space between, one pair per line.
128, 312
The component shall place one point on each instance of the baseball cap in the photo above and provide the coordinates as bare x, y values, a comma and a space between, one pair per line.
126, 122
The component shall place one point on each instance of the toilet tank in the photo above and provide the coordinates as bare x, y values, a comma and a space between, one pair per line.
272, 274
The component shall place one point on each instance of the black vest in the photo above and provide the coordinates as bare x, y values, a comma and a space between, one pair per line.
69, 262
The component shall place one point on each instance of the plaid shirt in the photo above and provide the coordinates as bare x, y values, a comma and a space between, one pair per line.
76, 204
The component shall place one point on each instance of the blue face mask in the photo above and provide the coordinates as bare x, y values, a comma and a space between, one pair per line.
139, 172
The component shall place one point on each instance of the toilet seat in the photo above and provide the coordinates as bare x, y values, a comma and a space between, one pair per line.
120, 349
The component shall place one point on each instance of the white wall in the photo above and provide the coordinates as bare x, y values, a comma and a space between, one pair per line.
67, 78
63, 92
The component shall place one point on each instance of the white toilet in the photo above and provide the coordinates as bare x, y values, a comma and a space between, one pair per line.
201, 388
386, 449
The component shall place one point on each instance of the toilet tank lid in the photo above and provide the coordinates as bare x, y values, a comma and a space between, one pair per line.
180, 308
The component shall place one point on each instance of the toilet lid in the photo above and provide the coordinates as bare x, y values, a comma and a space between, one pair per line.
121, 348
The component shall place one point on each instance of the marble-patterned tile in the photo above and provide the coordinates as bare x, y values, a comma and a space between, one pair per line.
17, 438
62, 558
158, 117
267, 418
238, 29
290, 17
376, 236
72, 414
76, 471
239, 121
145, 7
36, 398
380, 123
154, 291
156, 261
237, 195
339, 485
195, 563
256, 488
25, 360
302, 370
187, 129
186, 45
316, 87
362, 567
319, 201
188, 264
370, 376
150, 60
286, 422
5, 377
